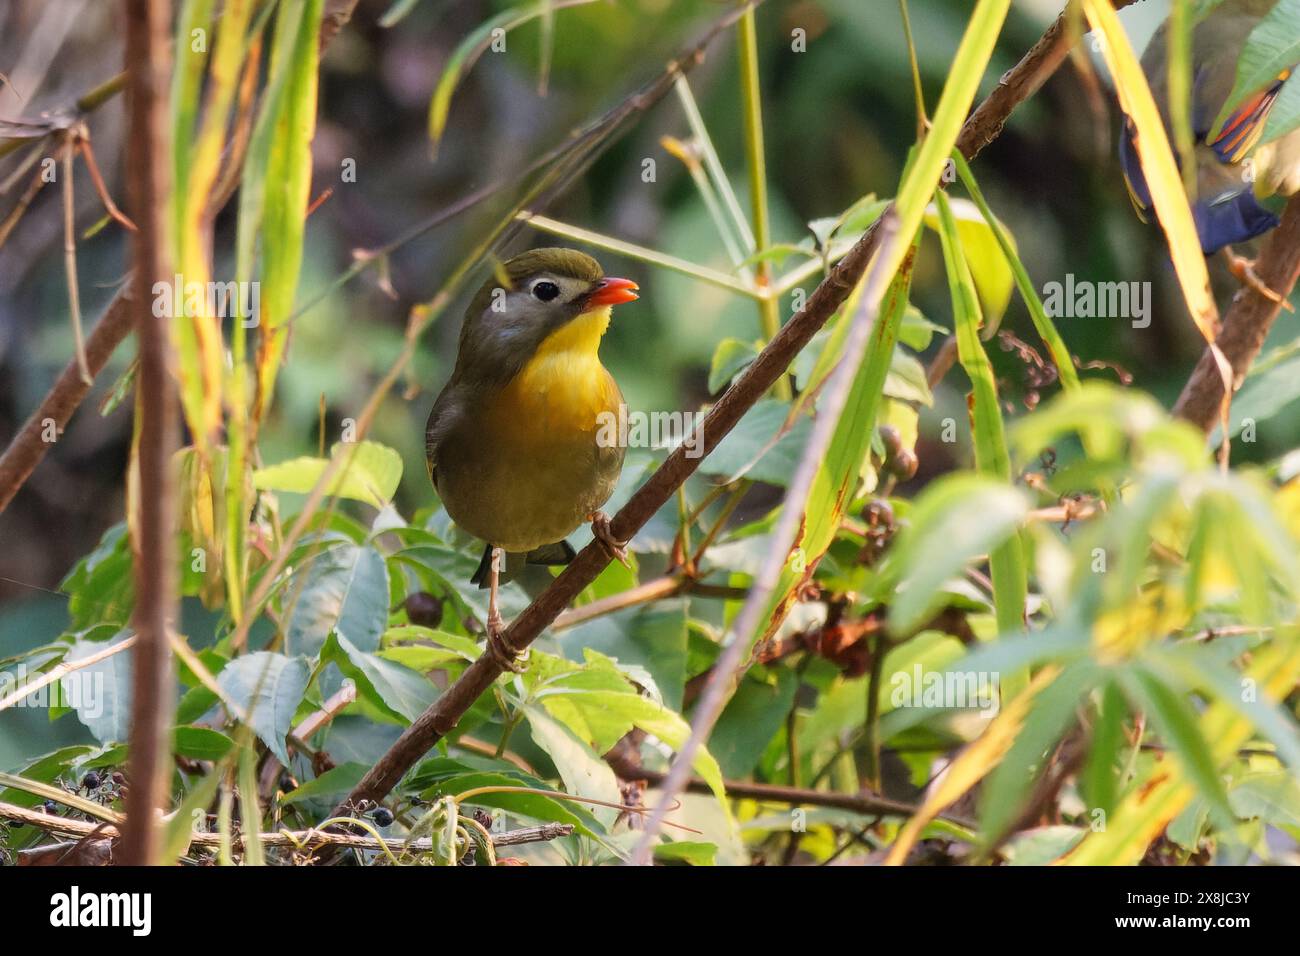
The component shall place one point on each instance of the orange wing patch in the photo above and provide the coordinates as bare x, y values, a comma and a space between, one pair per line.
1243, 128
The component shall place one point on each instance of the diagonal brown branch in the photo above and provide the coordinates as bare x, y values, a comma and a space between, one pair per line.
431, 726
1246, 325
154, 534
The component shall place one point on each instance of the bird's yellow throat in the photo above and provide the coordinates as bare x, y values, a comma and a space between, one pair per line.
563, 387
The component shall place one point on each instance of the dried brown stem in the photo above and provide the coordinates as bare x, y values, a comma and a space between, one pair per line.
863, 803
148, 60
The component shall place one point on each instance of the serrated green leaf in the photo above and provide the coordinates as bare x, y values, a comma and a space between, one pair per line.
345, 590
399, 692
268, 687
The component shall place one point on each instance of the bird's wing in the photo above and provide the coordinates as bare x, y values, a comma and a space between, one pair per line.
1244, 126
447, 410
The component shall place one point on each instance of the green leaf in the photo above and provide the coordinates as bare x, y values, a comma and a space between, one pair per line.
268, 687
45, 769
907, 380
983, 253
1273, 797
281, 144
201, 743
458, 645
396, 13
179, 829
250, 813
1263, 395
1100, 780
451, 570
1284, 114
371, 476
1042, 845
1201, 671
839, 474
398, 692
345, 590
532, 805
653, 638
101, 587
598, 704
752, 718
1176, 722
1051, 713
729, 358
916, 331
955, 521
759, 447
1028, 292
1007, 560
580, 767
332, 783
1272, 48
689, 852
101, 692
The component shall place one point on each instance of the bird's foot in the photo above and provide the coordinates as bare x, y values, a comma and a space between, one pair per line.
509, 657
616, 549
1243, 270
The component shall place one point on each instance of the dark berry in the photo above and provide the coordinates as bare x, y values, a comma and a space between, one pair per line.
424, 609
891, 439
90, 781
905, 464
383, 817
49, 806
877, 513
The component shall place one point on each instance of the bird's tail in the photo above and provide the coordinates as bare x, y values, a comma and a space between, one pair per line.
1231, 218
551, 554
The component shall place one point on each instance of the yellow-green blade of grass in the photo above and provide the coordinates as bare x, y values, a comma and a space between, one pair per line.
834, 485
180, 827
1149, 807
250, 813
201, 412
473, 46
1007, 561
288, 182
919, 184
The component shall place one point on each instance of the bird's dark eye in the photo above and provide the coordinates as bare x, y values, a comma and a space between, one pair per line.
546, 291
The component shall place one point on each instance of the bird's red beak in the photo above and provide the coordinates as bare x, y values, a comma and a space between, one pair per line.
611, 291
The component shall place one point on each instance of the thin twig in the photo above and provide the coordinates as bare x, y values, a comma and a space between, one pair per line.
864, 803
63, 669
52, 823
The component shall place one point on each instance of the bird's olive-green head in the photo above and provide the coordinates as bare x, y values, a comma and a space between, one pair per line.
523, 302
